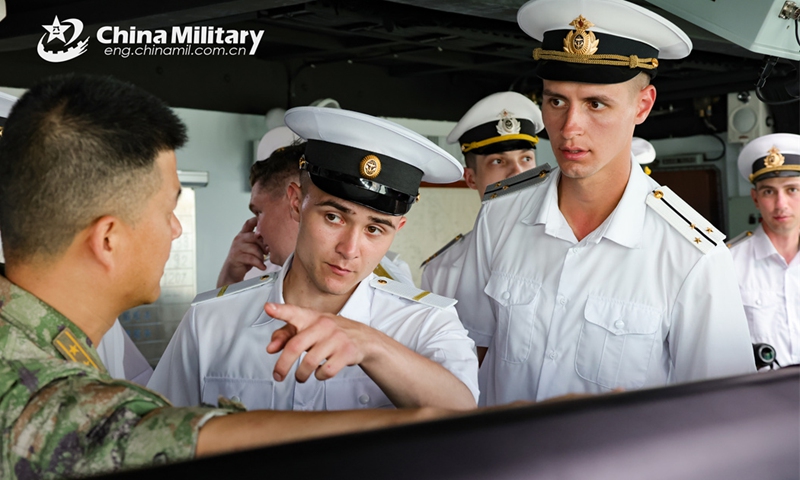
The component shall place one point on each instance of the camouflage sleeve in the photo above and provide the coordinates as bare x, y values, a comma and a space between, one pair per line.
80, 426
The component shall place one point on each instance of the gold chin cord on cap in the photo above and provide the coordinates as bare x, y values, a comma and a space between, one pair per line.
774, 162
630, 61
466, 147
580, 46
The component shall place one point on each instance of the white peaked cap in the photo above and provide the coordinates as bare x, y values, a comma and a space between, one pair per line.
774, 155
615, 17
494, 108
643, 151
376, 135
276, 138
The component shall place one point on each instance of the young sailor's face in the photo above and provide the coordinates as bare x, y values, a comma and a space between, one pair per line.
778, 201
340, 242
590, 126
495, 167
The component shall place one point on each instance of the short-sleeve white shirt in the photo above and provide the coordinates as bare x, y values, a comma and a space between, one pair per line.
631, 305
441, 274
219, 348
770, 291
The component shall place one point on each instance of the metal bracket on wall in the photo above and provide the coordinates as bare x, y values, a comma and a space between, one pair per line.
193, 178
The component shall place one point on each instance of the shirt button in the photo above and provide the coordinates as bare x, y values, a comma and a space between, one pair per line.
236, 398
552, 355
758, 301
363, 399
619, 324
562, 300
506, 295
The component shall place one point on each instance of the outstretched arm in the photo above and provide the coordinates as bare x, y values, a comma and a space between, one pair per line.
244, 430
333, 342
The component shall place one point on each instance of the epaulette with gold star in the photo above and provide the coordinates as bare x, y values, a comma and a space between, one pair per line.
69, 346
411, 292
235, 288
517, 182
683, 218
443, 249
740, 238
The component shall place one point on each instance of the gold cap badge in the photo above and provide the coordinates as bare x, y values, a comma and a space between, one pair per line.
774, 159
370, 166
579, 41
507, 125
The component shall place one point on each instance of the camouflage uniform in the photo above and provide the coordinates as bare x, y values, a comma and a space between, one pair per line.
61, 414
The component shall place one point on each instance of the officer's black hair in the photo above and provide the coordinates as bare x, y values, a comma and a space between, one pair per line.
76, 148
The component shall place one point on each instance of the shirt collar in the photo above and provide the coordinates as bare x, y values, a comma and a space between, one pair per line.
359, 305
41, 323
275, 293
356, 308
762, 245
625, 224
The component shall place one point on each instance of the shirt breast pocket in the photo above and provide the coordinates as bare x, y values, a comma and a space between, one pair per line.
255, 394
760, 308
516, 298
616, 342
351, 393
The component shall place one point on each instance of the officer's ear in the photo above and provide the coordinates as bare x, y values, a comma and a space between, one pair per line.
754, 196
645, 100
400, 224
295, 194
104, 240
469, 178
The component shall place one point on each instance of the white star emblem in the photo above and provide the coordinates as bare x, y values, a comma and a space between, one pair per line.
56, 30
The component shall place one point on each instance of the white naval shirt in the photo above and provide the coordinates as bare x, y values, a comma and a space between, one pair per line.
121, 357
256, 272
219, 348
770, 291
634, 304
441, 274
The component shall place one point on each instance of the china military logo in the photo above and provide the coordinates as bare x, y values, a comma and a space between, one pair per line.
56, 33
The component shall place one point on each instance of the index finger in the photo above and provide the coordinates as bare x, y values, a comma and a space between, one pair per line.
298, 317
249, 225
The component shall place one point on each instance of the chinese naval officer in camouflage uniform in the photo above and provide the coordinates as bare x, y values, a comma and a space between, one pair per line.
88, 184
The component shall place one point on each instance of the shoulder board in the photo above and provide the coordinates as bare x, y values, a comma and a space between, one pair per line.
381, 271
517, 182
229, 290
683, 218
740, 238
411, 292
443, 249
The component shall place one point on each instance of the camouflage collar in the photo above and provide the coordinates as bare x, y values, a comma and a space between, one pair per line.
43, 325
